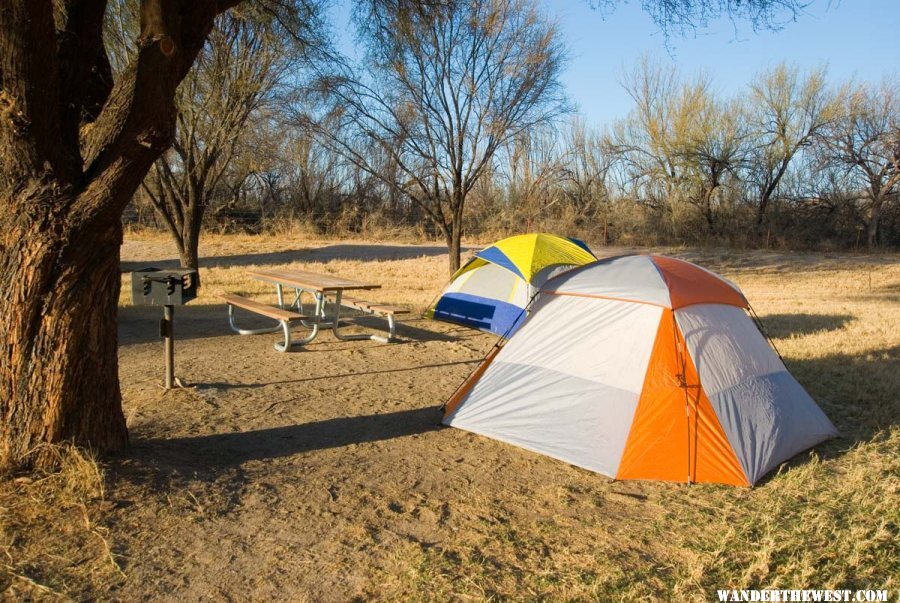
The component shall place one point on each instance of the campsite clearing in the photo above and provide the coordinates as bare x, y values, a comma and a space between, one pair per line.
323, 474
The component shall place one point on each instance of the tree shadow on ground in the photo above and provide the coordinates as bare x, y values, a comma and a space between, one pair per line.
780, 262
140, 324
229, 385
782, 326
328, 253
162, 463
858, 392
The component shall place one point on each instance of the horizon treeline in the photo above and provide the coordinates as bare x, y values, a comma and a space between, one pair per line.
796, 159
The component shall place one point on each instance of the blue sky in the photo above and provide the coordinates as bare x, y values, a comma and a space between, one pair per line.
854, 38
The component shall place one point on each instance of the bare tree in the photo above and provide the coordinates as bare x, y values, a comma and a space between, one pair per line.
529, 169
234, 77
686, 16
586, 166
866, 142
450, 84
75, 143
650, 142
787, 110
714, 148
680, 143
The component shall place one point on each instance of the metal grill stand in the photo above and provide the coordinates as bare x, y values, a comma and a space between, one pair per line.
166, 288
167, 331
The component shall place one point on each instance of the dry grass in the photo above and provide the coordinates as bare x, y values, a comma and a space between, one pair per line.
54, 545
445, 515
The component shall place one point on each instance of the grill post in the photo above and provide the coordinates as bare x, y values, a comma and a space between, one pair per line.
166, 288
168, 333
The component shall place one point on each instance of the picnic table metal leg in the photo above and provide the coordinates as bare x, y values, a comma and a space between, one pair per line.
335, 327
241, 331
392, 327
313, 325
284, 347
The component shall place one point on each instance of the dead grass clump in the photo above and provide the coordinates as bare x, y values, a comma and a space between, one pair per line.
821, 524
51, 544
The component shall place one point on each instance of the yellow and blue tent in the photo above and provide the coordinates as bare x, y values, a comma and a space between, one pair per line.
492, 290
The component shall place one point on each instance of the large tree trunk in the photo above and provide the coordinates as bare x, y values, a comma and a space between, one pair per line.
59, 375
189, 253
190, 236
189, 243
66, 175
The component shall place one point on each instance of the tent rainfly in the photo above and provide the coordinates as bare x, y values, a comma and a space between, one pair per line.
643, 367
492, 290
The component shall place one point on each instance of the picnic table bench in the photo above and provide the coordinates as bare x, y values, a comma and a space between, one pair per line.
284, 318
325, 289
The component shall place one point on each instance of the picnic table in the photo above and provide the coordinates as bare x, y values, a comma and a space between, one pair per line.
327, 291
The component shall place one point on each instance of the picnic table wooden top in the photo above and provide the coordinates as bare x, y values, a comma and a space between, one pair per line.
310, 281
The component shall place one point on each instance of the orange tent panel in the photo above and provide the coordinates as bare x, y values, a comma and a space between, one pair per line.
675, 434
689, 284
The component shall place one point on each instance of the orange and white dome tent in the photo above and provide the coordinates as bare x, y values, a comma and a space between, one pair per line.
643, 367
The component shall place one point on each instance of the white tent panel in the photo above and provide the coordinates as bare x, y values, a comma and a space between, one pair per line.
600, 340
568, 383
575, 420
633, 277
493, 282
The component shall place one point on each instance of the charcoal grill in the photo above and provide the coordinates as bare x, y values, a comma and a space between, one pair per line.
167, 288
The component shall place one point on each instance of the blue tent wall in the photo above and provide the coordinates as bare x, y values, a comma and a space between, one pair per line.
479, 312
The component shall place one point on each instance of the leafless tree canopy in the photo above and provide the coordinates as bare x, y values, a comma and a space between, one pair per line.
443, 88
687, 16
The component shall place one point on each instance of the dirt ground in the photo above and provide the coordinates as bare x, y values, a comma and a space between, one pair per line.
324, 475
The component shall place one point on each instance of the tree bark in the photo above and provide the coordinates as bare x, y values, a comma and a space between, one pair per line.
189, 255
189, 248
454, 232
59, 375
61, 202
453, 237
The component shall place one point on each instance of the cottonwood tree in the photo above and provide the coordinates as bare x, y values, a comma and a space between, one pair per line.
787, 110
75, 144
233, 79
865, 141
714, 148
680, 143
650, 142
448, 84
